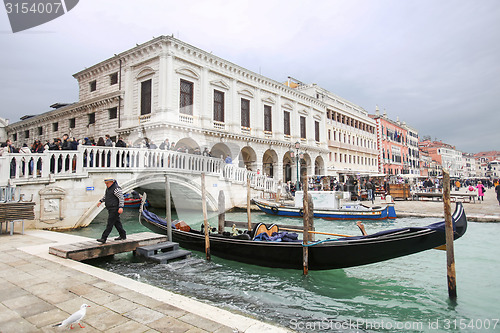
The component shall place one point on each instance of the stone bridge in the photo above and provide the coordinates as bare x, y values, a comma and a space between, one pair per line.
67, 184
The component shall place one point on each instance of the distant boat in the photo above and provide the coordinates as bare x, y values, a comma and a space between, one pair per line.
134, 203
330, 208
133, 200
326, 254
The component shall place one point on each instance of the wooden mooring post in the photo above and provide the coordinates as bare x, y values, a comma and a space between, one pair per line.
168, 209
222, 211
249, 214
308, 210
450, 253
205, 218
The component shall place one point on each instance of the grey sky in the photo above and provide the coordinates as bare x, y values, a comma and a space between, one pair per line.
433, 64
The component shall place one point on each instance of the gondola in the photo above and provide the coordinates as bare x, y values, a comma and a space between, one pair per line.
134, 203
353, 211
323, 255
133, 200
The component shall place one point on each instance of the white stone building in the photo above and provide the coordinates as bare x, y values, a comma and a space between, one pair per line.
451, 159
469, 165
168, 89
413, 151
3, 129
493, 170
350, 133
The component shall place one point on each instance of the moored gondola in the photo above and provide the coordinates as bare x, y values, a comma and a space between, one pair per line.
346, 212
326, 254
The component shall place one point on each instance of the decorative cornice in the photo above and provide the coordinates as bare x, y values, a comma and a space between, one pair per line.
146, 71
188, 72
220, 83
93, 103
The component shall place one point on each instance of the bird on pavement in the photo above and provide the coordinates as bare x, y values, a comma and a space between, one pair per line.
75, 317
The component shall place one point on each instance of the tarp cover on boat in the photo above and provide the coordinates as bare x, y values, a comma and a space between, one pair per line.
155, 218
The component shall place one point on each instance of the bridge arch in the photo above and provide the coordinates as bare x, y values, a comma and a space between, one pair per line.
133, 168
180, 186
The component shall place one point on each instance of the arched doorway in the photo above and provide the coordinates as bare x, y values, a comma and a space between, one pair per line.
220, 150
269, 160
319, 166
248, 158
288, 167
305, 165
187, 145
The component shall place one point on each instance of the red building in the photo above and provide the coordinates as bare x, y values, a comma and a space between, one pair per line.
392, 143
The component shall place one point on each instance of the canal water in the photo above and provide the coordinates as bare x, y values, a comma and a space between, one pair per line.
406, 294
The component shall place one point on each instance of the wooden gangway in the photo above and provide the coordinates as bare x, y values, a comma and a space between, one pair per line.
91, 249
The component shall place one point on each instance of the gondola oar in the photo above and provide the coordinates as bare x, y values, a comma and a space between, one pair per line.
361, 227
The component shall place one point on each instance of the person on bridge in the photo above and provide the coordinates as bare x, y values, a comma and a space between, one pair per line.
113, 198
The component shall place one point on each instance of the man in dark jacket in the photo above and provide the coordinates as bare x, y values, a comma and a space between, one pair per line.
113, 198
65, 145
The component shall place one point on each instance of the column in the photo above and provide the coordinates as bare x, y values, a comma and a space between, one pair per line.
162, 85
234, 109
171, 108
128, 107
278, 120
206, 109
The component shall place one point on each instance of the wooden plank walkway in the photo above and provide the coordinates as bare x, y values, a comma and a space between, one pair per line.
92, 249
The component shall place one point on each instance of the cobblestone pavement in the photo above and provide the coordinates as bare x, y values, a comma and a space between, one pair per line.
39, 290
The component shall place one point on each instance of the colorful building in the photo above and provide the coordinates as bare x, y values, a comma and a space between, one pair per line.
392, 142
445, 155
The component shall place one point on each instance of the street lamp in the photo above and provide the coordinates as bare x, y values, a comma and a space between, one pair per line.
297, 158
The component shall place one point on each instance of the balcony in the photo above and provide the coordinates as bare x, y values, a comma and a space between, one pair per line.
219, 125
246, 130
186, 118
144, 118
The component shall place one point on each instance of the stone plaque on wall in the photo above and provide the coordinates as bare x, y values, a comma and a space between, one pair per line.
51, 204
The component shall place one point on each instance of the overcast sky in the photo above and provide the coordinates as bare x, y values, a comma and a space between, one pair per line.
434, 64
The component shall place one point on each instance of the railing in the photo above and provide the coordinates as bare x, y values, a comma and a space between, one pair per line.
53, 164
8, 193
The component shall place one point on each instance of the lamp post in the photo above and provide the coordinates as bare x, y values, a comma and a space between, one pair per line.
297, 158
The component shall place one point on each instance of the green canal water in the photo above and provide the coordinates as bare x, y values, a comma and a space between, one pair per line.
406, 294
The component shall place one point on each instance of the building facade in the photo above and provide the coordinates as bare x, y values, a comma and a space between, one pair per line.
445, 155
167, 89
350, 133
469, 165
392, 142
413, 161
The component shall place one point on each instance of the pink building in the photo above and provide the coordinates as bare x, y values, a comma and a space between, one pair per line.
392, 143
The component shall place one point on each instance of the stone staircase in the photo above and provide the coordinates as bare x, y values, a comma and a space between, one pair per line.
163, 252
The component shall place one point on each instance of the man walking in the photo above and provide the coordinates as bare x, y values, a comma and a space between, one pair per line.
113, 198
369, 190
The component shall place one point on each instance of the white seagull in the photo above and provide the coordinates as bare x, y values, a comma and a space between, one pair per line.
75, 317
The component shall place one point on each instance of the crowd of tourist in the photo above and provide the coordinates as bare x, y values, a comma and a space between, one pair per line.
71, 143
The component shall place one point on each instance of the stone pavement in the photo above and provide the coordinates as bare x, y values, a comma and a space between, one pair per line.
480, 211
38, 290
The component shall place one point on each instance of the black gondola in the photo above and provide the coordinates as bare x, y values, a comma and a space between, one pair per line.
327, 254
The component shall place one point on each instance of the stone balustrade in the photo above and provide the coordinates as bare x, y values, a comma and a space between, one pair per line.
18, 169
